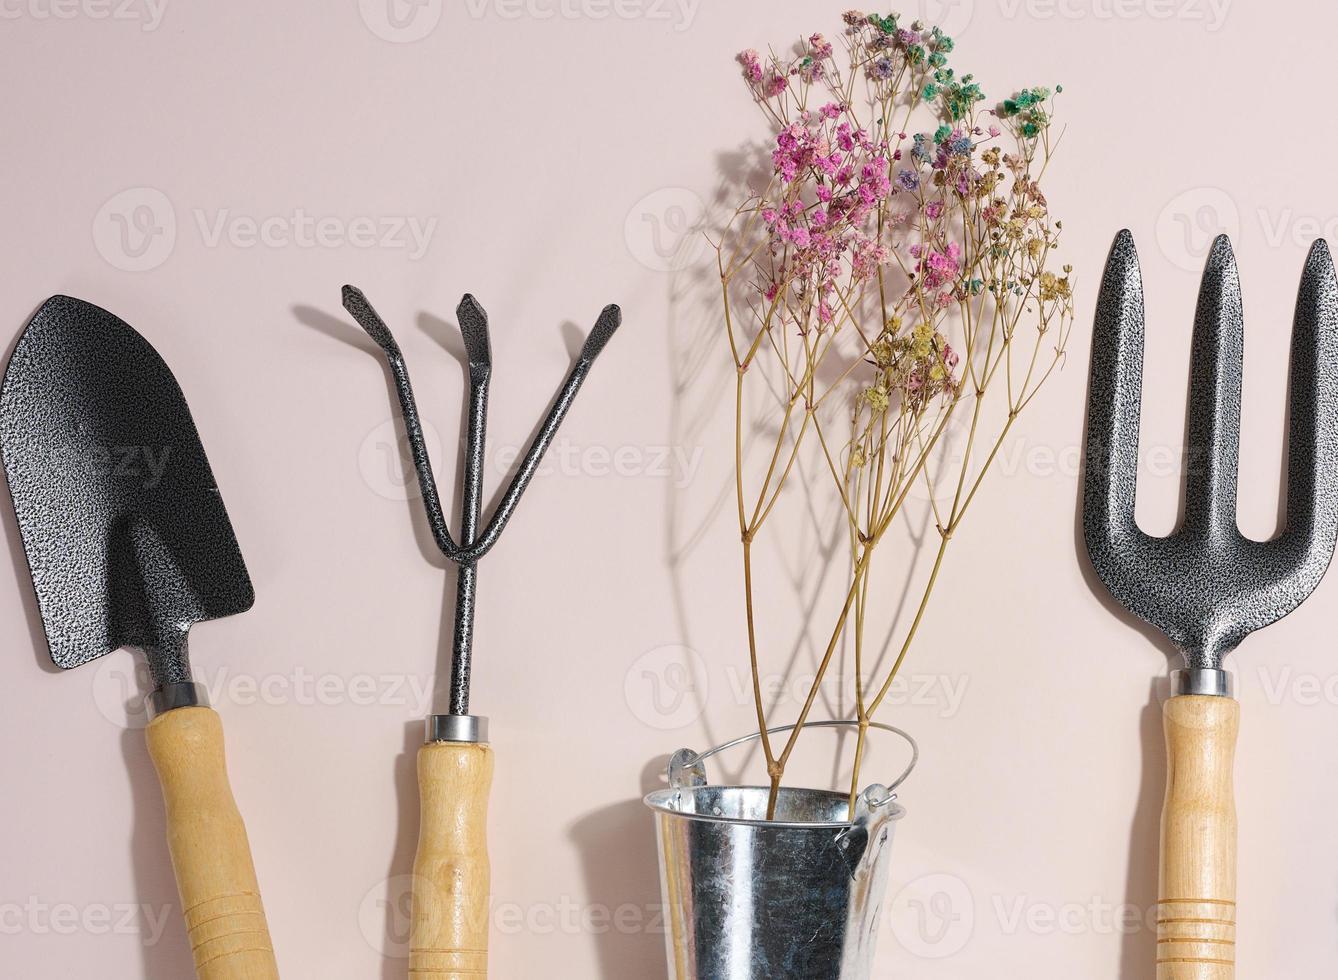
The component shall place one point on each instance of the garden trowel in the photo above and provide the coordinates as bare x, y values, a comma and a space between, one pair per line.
129, 546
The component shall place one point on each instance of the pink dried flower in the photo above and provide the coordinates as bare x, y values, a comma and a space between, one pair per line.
939, 267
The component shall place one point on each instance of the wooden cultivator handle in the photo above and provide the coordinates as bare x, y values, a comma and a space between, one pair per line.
451, 877
1196, 915
211, 855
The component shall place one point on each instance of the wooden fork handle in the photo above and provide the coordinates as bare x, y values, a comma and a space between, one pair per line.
1196, 914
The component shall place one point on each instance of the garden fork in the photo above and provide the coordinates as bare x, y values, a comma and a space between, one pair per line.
1206, 586
448, 936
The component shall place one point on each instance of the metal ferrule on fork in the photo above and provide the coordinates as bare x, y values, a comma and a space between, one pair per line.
1207, 682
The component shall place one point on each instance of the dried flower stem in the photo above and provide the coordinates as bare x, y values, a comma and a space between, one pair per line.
911, 271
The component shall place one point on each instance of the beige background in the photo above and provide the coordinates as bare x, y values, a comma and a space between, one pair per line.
554, 154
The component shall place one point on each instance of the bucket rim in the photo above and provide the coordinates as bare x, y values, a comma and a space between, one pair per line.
658, 802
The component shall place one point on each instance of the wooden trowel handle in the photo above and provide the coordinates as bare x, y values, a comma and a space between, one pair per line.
211, 856
1196, 916
448, 937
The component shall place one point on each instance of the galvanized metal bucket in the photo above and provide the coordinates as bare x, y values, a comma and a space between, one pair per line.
794, 898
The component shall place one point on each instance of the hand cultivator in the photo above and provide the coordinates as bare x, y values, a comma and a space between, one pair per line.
449, 932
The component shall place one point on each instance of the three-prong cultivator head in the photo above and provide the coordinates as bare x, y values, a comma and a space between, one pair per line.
475, 542
1207, 586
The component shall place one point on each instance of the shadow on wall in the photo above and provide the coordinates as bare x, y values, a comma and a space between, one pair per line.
622, 881
807, 553
1137, 950
703, 379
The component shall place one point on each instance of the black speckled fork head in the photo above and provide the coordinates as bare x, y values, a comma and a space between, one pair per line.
1206, 586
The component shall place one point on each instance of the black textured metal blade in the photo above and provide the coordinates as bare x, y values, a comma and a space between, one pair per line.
125, 532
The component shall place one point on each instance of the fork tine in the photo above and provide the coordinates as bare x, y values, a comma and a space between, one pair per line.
1312, 475
1114, 400
1214, 397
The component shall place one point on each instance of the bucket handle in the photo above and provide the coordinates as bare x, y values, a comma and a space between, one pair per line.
686, 767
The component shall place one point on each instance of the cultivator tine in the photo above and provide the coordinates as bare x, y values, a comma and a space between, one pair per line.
1113, 407
478, 349
1312, 474
610, 318
1216, 359
361, 311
